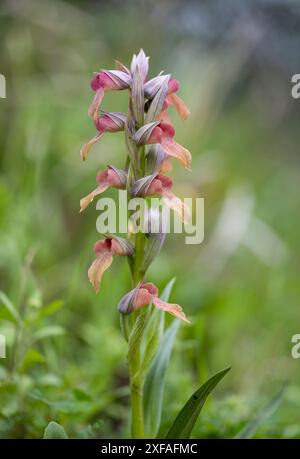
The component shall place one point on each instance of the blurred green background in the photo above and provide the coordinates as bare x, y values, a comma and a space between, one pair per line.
66, 361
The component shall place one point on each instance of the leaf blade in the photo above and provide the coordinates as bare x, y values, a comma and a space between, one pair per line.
5, 301
54, 431
187, 417
154, 384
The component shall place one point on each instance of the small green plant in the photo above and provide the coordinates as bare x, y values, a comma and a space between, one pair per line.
149, 138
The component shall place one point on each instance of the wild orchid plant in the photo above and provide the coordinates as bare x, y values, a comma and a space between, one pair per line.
149, 137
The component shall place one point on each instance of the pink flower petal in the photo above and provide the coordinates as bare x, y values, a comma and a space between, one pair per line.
97, 268
86, 147
173, 202
171, 308
84, 202
164, 117
104, 245
176, 150
179, 105
151, 288
165, 166
173, 86
96, 102
114, 179
155, 188
117, 248
143, 298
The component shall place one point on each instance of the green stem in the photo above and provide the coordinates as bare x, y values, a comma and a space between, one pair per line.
137, 410
136, 387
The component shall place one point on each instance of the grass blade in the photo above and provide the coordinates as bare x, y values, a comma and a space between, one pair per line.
5, 301
251, 427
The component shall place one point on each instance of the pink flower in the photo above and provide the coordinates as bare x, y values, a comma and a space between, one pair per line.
147, 293
111, 177
105, 250
161, 185
164, 133
107, 80
152, 86
110, 122
107, 122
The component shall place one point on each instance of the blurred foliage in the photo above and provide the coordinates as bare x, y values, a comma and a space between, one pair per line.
240, 288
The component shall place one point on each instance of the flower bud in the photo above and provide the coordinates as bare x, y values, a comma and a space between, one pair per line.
140, 63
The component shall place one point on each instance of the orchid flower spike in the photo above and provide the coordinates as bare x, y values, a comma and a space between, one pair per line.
107, 80
106, 122
147, 293
161, 185
163, 134
105, 250
111, 177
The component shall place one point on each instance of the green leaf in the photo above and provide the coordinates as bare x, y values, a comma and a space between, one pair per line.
48, 332
167, 290
251, 427
154, 384
5, 301
31, 358
185, 420
46, 311
54, 431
